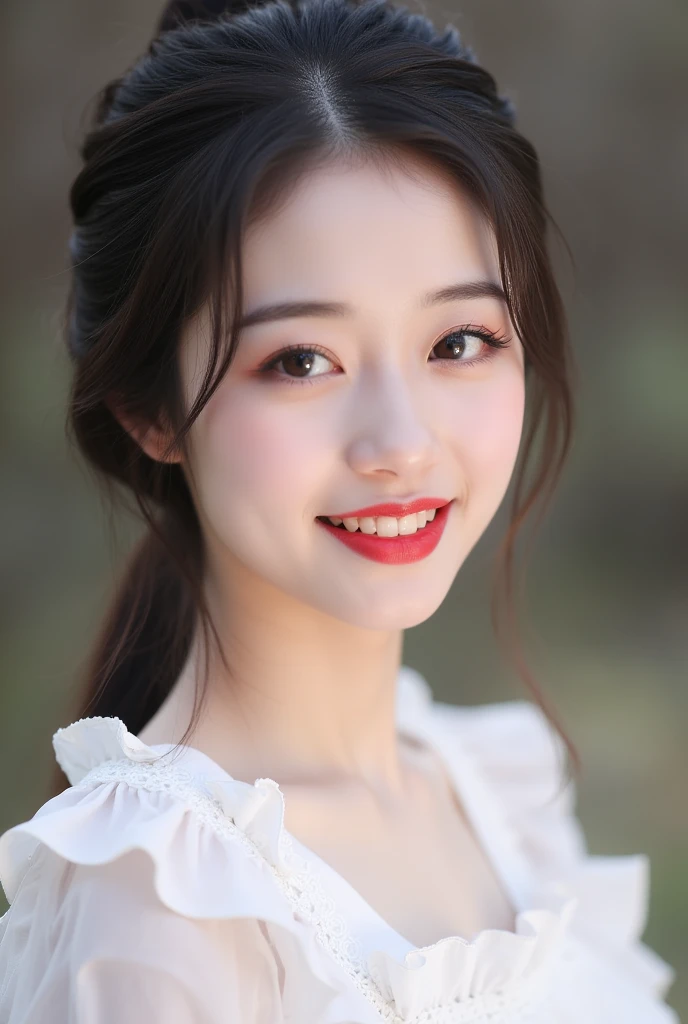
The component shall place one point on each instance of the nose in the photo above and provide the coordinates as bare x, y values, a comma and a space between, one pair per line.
394, 432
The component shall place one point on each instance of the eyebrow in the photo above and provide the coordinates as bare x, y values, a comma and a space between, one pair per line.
289, 310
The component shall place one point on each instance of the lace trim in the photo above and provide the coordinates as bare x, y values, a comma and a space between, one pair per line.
303, 888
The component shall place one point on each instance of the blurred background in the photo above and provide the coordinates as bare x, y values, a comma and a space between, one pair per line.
600, 87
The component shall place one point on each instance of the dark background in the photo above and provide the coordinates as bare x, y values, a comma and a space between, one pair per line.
601, 88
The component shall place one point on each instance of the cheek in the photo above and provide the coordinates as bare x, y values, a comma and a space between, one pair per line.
256, 460
487, 427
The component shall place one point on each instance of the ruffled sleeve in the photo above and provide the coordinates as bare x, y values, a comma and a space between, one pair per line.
134, 897
521, 758
94, 944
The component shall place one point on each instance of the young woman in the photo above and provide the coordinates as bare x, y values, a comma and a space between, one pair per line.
312, 322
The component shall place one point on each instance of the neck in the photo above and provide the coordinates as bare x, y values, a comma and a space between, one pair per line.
308, 699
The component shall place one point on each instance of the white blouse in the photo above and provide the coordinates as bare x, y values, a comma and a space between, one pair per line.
160, 889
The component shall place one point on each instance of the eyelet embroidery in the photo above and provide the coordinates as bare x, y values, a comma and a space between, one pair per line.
303, 888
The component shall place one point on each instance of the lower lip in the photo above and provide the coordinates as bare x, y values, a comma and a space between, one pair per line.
394, 550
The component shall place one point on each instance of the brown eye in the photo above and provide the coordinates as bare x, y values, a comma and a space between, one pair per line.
297, 362
466, 346
455, 345
301, 363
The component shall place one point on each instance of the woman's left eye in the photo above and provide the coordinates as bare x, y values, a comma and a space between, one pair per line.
455, 341
471, 339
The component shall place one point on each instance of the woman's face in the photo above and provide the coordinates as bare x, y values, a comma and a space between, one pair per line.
384, 410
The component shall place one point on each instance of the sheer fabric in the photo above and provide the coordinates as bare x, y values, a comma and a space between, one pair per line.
94, 944
158, 888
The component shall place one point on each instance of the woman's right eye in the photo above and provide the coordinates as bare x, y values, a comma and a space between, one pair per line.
300, 359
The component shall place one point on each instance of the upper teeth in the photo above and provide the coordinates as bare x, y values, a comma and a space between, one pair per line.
387, 526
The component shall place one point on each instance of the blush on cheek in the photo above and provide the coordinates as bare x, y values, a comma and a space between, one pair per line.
503, 424
263, 454
488, 433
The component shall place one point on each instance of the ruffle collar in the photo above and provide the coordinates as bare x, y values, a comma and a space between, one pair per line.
453, 968
257, 809
83, 748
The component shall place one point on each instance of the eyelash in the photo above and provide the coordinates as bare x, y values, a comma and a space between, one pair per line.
494, 341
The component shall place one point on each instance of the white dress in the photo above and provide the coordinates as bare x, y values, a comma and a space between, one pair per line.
160, 889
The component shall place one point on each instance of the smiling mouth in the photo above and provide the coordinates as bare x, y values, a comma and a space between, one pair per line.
389, 539
383, 526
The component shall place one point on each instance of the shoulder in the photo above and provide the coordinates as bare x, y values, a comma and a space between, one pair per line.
127, 796
156, 866
516, 758
521, 756
514, 752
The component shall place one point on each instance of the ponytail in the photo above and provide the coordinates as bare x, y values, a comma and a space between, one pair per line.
146, 634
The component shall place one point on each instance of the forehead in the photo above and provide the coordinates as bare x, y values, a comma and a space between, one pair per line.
367, 229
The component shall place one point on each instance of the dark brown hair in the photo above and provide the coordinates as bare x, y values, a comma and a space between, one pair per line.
198, 139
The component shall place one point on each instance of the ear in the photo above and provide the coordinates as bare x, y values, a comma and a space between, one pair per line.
150, 438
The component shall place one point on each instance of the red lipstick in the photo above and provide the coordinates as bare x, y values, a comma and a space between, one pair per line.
393, 508
393, 550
